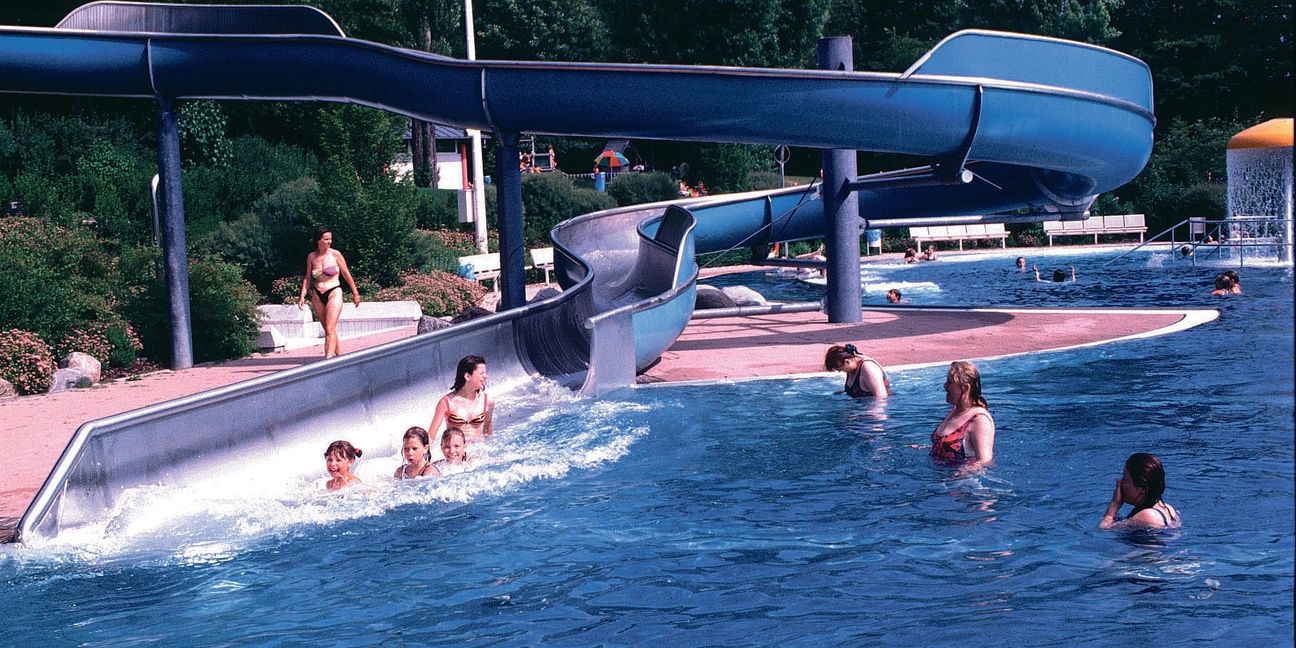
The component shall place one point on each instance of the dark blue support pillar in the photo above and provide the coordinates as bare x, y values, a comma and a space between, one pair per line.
175, 255
841, 209
512, 249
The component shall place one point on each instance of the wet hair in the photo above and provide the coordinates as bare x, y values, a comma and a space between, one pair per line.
1059, 276
837, 355
895, 292
416, 432
910, 252
467, 365
1186, 250
1224, 281
965, 373
1020, 261
1232, 274
456, 431
343, 449
1146, 471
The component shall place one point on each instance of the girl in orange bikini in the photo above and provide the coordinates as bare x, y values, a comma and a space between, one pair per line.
1141, 485
966, 435
467, 407
325, 269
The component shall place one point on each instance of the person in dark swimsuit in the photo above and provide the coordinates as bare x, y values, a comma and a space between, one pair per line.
325, 269
966, 435
467, 407
864, 375
415, 449
1141, 485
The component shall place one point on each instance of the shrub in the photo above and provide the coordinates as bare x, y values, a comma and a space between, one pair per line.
438, 293
550, 198
758, 180
55, 277
26, 361
437, 209
113, 344
285, 290
431, 252
222, 306
640, 188
725, 167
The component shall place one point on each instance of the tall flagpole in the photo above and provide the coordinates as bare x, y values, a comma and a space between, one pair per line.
478, 182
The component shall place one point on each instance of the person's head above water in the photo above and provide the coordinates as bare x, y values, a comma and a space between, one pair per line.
963, 385
1224, 281
470, 368
344, 450
1146, 477
454, 445
1059, 276
1021, 263
839, 356
894, 296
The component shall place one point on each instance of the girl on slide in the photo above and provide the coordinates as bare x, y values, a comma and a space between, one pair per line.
415, 450
339, 459
467, 407
455, 450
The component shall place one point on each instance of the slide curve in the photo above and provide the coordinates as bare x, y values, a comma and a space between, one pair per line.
1045, 125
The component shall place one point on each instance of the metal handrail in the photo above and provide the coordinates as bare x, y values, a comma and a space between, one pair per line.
1217, 245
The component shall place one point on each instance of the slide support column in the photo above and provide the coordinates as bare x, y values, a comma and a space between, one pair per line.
175, 256
512, 249
841, 208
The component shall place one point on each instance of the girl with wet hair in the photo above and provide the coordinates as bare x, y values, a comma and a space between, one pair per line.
967, 433
467, 406
339, 459
864, 375
414, 448
1141, 485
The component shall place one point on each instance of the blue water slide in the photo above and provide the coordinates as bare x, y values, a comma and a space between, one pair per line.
1043, 125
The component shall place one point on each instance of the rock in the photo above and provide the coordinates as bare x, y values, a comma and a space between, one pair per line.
470, 313
270, 339
427, 324
7, 389
545, 293
85, 362
70, 378
744, 296
712, 297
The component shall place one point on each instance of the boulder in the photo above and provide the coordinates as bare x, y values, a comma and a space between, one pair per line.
712, 297
84, 362
470, 313
70, 378
427, 324
7, 389
744, 296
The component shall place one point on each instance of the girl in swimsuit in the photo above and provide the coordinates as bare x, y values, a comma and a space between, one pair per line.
415, 449
1141, 485
467, 407
339, 459
454, 450
325, 269
966, 435
864, 376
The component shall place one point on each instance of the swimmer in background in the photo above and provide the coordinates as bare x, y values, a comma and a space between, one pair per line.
1227, 283
467, 406
1058, 275
894, 296
910, 255
1021, 264
1141, 485
415, 450
454, 449
929, 254
864, 375
339, 459
967, 433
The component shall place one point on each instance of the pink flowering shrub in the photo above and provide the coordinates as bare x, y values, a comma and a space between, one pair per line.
286, 290
26, 361
113, 345
438, 293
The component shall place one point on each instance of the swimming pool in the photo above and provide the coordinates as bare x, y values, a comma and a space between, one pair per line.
756, 513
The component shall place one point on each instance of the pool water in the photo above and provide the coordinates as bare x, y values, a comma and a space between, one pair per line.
765, 512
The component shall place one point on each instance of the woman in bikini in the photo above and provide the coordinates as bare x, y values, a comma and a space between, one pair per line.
325, 269
864, 376
1141, 485
967, 433
467, 407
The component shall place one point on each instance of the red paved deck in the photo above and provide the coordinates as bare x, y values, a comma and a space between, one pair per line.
792, 343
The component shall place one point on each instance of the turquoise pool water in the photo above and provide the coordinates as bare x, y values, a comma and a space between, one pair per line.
757, 513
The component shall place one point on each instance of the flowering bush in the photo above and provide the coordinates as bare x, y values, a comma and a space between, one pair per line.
438, 293
26, 361
112, 344
286, 290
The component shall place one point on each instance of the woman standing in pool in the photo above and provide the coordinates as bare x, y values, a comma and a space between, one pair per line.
325, 269
467, 407
864, 375
967, 433
1141, 485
